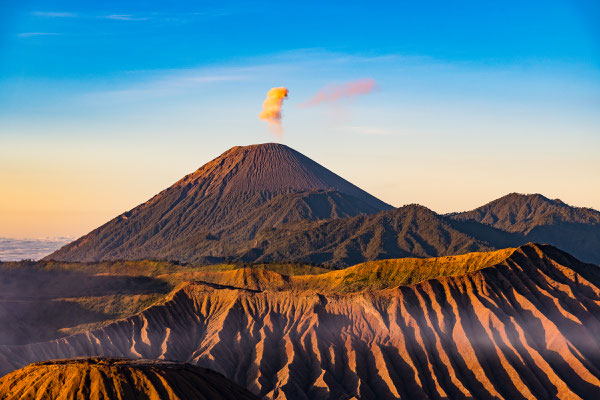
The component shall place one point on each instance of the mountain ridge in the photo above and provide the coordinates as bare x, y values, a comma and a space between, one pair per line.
522, 324
516, 212
536, 218
268, 202
411, 230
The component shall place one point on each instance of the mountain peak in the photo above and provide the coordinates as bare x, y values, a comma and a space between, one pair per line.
518, 212
265, 148
532, 198
245, 189
270, 167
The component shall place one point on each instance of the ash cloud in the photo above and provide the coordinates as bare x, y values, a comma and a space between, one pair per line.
271, 111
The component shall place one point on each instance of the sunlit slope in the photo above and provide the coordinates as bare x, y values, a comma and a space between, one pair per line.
96, 379
211, 212
373, 275
383, 274
520, 324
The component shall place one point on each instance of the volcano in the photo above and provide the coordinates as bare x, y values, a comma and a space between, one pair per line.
224, 203
100, 378
270, 203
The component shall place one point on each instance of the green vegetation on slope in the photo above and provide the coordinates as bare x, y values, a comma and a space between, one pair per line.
384, 274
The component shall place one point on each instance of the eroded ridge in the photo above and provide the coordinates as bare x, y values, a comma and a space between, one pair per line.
99, 378
525, 327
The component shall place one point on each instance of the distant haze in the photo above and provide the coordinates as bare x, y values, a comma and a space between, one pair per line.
29, 249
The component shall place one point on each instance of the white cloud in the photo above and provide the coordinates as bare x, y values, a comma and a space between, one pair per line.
143, 85
52, 14
172, 83
124, 17
32, 34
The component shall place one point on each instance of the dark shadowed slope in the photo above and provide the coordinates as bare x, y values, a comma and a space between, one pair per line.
514, 324
522, 213
316, 227
99, 379
210, 203
45, 300
409, 231
415, 231
537, 218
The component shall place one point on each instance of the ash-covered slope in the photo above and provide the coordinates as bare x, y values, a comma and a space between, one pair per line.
99, 378
518, 324
199, 215
539, 219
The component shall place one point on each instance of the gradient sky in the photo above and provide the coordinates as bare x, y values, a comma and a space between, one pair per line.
105, 103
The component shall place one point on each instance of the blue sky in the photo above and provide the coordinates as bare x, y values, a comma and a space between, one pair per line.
103, 104
106, 37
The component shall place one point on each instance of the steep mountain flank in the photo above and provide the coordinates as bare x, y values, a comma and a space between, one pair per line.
539, 219
97, 378
515, 324
250, 187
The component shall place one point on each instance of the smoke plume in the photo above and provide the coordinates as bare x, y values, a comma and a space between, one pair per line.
271, 111
331, 93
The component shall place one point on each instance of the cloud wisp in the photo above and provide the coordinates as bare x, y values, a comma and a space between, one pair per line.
174, 83
124, 17
34, 34
334, 92
53, 14
115, 17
